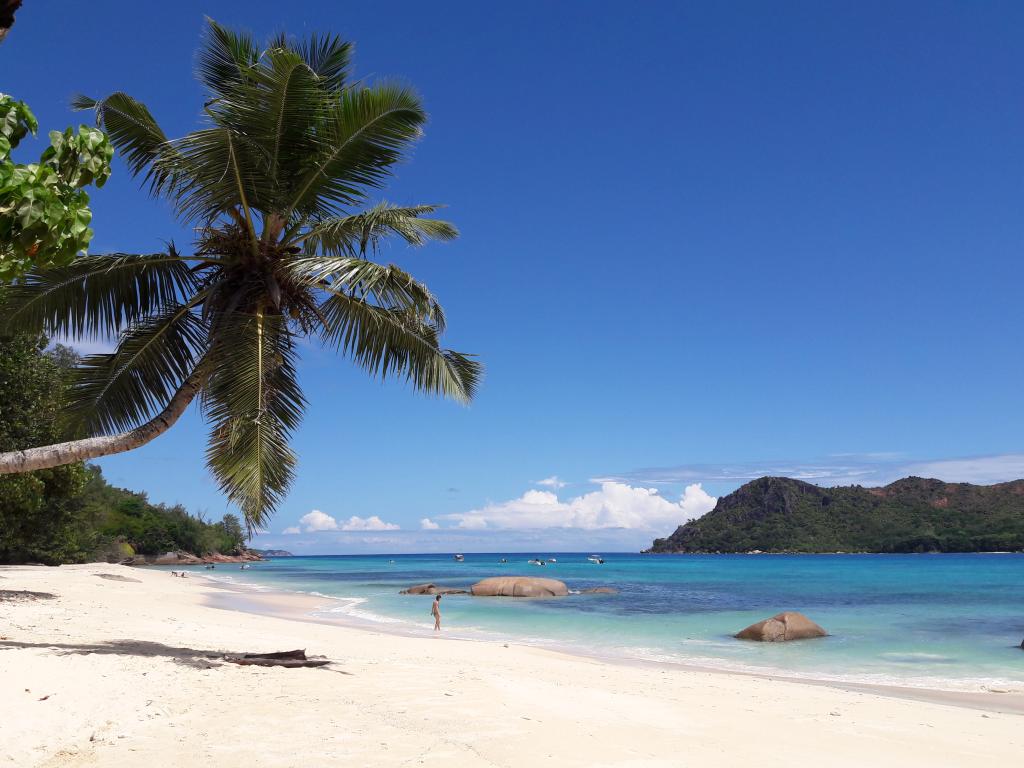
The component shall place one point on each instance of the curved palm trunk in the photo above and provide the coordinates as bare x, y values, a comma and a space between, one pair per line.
59, 454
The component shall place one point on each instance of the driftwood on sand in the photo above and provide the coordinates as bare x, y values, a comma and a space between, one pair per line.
278, 659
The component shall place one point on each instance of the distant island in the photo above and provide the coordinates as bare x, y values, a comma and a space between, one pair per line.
779, 514
272, 552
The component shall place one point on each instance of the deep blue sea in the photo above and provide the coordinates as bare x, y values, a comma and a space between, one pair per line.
947, 621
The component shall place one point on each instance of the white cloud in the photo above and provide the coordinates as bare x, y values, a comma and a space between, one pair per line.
291, 530
428, 525
552, 482
318, 521
614, 505
372, 523
321, 521
980, 469
868, 469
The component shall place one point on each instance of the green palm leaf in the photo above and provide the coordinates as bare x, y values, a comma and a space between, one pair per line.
118, 391
360, 138
253, 402
135, 134
225, 58
329, 57
389, 342
387, 286
360, 233
223, 171
96, 296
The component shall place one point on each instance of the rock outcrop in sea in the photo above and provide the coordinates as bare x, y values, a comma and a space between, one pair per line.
432, 589
519, 586
789, 625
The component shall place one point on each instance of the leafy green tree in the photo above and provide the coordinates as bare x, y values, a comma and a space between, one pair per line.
44, 209
234, 536
277, 185
38, 519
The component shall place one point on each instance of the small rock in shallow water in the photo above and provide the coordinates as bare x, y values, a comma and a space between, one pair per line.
789, 625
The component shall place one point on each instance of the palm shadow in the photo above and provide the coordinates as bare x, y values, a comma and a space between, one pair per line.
191, 657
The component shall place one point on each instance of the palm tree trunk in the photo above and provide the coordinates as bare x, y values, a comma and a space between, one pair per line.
59, 454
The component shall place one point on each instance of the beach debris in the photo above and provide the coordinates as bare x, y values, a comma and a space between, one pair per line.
432, 589
278, 659
17, 595
519, 586
789, 625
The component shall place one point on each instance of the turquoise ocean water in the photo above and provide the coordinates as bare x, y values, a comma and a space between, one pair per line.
945, 621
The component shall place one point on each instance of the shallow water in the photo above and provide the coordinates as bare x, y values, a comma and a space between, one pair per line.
942, 621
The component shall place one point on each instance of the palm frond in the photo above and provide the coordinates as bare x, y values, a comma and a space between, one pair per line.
223, 171
135, 134
387, 286
253, 402
276, 109
329, 57
96, 296
361, 137
359, 233
118, 391
389, 342
225, 58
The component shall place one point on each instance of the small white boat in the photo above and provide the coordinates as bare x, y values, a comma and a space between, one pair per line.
535, 561
552, 560
459, 558
596, 559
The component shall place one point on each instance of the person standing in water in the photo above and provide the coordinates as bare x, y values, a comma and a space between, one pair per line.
435, 609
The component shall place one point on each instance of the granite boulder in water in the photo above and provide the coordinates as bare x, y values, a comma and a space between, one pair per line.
781, 627
519, 586
432, 589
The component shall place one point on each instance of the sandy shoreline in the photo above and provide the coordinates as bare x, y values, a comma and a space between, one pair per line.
298, 606
118, 673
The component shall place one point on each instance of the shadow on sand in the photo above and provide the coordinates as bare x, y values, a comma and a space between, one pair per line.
189, 657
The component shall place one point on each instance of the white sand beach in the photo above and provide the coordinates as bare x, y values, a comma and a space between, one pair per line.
124, 673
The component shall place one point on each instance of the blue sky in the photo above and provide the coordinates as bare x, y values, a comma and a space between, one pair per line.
698, 241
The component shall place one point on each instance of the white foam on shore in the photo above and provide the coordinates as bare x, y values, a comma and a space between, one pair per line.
935, 683
353, 609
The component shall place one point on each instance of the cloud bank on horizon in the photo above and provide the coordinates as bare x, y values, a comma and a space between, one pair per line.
871, 469
616, 516
624, 512
613, 505
320, 521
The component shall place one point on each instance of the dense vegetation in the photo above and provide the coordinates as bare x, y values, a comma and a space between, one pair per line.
71, 513
777, 514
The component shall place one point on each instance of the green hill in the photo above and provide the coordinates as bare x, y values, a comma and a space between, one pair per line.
778, 514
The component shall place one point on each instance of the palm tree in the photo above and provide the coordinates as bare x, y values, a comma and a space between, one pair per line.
276, 184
